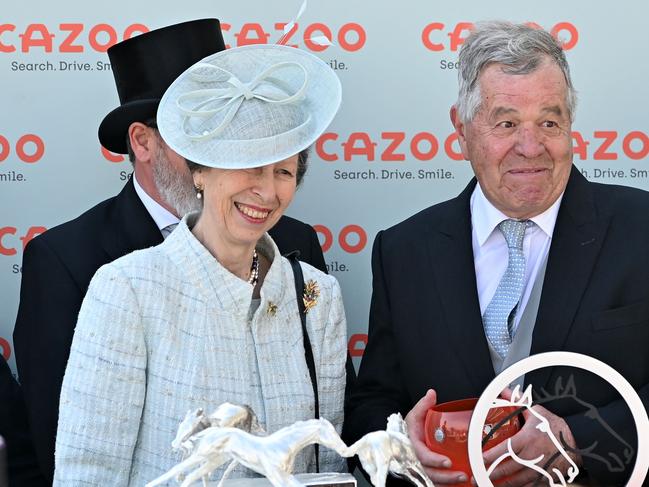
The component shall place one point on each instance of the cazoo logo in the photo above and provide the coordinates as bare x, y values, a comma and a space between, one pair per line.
397, 146
65, 37
350, 36
71, 37
388, 146
11, 241
356, 344
29, 148
351, 238
434, 35
5, 348
112, 156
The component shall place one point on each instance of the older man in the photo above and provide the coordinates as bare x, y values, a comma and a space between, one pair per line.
530, 258
58, 265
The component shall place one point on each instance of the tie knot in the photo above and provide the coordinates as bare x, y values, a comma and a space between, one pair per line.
166, 231
514, 231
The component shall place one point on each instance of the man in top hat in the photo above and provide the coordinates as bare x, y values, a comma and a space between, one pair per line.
58, 265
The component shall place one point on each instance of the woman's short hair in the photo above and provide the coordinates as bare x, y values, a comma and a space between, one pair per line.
302, 164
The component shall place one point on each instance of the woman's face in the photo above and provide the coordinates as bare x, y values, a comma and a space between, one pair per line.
240, 205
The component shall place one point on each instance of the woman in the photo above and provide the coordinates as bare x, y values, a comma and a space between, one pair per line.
211, 315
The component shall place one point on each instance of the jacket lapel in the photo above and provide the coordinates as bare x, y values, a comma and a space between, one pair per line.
454, 271
129, 226
576, 243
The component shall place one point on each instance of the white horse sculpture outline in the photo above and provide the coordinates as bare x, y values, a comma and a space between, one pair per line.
569, 391
225, 415
217, 445
381, 452
525, 400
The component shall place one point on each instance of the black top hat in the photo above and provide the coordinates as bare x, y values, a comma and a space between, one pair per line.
144, 67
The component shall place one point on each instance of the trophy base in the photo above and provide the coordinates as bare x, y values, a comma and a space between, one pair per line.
307, 479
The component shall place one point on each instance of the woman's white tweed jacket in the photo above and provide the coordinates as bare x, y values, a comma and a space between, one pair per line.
165, 330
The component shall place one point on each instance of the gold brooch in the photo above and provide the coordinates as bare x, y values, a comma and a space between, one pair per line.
271, 309
311, 295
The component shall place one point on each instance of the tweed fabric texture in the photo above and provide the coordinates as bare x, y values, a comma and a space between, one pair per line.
498, 315
165, 330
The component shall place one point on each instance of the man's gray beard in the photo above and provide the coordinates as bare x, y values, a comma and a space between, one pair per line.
175, 187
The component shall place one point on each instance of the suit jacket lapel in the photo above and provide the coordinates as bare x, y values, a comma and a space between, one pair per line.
129, 226
454, 271
576, 243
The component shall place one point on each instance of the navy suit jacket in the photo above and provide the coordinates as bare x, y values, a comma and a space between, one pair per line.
57, 268
23, 469
426, 331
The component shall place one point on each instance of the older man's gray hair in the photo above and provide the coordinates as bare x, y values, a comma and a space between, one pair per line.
519, 48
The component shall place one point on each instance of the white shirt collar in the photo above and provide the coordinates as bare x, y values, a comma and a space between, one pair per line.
485, 217
161, 216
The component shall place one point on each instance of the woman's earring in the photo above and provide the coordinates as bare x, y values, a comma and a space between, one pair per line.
199, 192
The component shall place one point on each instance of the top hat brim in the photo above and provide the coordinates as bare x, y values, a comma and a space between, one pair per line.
145, 65
114, 127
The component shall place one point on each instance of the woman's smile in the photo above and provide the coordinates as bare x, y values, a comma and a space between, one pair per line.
251, 213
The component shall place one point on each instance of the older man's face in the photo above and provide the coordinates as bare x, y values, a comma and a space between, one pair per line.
519, 143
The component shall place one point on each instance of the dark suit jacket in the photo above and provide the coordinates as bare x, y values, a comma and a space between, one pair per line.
23, 469
425, 328
57, 268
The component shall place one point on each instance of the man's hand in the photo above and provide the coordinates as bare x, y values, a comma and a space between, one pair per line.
438, 467
530, 443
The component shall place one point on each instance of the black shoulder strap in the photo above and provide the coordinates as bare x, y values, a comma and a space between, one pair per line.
308, 351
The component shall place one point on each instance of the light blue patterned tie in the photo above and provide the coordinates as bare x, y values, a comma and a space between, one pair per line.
499, 315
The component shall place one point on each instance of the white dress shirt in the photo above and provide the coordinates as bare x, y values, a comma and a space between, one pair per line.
490, 252
161, 216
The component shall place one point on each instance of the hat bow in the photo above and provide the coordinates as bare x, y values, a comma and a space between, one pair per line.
206, 103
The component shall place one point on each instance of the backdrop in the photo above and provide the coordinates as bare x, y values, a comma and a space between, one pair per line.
388, 154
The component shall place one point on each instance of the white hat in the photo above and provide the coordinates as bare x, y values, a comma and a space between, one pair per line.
249, 106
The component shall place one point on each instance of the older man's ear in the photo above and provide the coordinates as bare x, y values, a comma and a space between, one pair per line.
459, 127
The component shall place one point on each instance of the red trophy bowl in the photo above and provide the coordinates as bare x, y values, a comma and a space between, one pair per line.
447, 428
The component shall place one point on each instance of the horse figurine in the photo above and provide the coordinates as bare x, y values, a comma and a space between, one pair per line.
225, 415
525, 400
272, 456
386, 451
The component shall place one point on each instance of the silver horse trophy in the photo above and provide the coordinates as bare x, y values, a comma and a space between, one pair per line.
390, 451
227, 435
226, 415
272, 456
